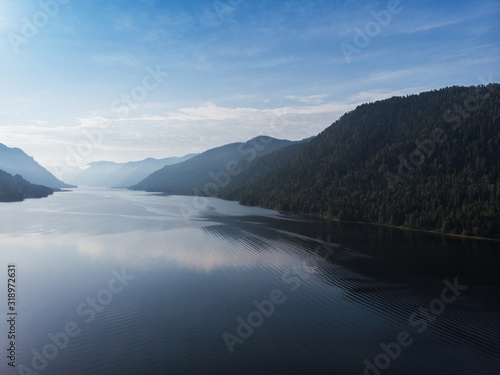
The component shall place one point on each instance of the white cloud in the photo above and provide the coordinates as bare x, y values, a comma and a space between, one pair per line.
178, 132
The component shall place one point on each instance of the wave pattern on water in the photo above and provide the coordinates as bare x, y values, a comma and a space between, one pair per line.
347, 289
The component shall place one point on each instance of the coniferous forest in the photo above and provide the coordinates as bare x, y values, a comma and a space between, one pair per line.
429, 161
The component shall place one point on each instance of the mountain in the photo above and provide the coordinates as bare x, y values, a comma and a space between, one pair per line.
110, 174
429, 161
261, 168
134, 172
16, 188
96, 174
211, 170
15, 161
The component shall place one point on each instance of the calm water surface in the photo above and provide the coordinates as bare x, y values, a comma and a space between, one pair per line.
120, 282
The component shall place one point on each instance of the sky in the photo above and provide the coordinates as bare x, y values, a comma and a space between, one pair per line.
123, 80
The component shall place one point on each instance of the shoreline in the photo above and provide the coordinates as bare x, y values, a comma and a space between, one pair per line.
463, 236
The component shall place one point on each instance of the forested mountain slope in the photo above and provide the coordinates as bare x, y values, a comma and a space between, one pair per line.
429, 161
203, 170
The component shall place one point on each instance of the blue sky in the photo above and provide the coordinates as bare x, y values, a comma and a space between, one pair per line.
124, 80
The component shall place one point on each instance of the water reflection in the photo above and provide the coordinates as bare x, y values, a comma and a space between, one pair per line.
349, 287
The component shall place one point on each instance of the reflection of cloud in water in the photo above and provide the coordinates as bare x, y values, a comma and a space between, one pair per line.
189, 247
145, 230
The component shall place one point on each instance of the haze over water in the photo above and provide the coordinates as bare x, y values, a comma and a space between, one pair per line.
183, 276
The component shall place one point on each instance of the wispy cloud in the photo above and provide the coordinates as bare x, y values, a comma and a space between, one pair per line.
116, 59
311, 99
392, 75
272, 62
124, 22
375, 95
411, 29
172, 132
230, 76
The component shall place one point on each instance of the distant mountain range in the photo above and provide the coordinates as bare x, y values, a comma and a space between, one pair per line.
429, 161
210, 170
110, 174
16, 188
16, 162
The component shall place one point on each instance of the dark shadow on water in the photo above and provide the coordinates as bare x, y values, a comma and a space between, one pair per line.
382, 253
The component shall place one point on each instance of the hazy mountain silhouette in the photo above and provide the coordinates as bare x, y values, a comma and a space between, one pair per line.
210, 170
16, 161
110, 174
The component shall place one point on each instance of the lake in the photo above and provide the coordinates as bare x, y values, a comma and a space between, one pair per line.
122, 282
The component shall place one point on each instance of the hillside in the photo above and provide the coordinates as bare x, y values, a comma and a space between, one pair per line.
360, 168
16, 188
110, 174
210, 170
15, 161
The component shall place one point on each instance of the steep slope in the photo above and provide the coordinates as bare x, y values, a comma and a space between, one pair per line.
262, 168
210, 170
110, 174
427, 161
15, 161
16, 188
